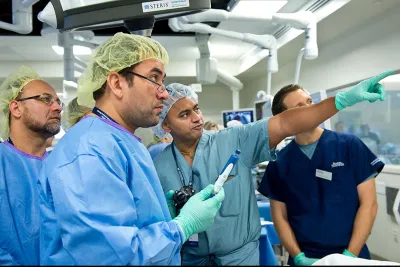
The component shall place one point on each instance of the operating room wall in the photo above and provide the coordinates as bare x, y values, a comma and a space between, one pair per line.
355, 55
384, 240
213, 99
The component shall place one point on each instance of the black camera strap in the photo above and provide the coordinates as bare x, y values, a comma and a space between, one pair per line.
179, 169
102, 114
10, 141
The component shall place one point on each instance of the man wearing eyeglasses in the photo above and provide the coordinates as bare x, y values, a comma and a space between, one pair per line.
29, 115
101, 199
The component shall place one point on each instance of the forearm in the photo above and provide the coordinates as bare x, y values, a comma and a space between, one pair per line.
298, 120
287, 237
362, 227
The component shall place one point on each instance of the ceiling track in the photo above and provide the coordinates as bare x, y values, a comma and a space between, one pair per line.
316, 5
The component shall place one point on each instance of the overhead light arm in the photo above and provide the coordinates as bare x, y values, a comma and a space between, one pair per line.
84, 43
67, 40
233, 83
207, 71
21, 17
301, 20
263, 41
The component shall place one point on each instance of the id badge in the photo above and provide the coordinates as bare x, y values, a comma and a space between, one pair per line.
193, 241
323, 174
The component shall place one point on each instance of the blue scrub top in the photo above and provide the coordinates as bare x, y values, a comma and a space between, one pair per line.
101, 202
321, 211
156, 149
19, 206
237, 223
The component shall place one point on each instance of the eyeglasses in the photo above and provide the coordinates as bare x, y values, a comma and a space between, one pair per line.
160, 87
45, 98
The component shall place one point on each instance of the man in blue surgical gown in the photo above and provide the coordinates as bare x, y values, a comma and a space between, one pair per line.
233, 239
101, 201
322, 191
29, 115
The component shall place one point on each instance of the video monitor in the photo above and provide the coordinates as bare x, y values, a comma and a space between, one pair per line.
245, 116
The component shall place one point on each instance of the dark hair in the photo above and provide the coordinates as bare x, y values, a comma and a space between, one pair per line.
277, 103
124, 73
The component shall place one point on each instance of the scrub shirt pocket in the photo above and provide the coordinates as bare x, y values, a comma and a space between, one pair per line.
232, 202
335, 190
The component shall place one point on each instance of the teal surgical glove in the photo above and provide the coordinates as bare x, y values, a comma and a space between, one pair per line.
368, 89
302, 260
348, 253
199, 212
170, 202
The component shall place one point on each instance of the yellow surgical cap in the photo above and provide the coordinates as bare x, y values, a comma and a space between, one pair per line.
9, 90
115, 54
73, 113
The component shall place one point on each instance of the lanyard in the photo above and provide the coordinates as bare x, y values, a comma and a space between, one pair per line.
102, 114
10, 141
179, 169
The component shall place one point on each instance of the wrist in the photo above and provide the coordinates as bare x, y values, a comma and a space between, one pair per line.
348, 253
339, 99
298, 257
182, 229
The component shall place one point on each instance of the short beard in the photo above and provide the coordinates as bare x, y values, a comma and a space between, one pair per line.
145, 120
46, 130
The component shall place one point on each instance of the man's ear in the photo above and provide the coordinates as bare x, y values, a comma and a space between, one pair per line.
15, 109
165, 126
114, 82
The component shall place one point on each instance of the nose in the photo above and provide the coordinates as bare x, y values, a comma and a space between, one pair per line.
164, 94
196, 117
57, 107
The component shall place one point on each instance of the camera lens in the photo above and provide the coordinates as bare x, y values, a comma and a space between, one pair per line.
182, 196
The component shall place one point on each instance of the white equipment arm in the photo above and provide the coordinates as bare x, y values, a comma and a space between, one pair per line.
302, 20
263, 41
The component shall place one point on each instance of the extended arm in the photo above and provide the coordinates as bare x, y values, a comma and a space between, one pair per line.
292, 122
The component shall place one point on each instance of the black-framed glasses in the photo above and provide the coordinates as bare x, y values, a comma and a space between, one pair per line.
45, 98
160, 87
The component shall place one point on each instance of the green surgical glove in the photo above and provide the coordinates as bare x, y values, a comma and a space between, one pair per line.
170, 202
302, 260
348, 253
368, 89
199, 212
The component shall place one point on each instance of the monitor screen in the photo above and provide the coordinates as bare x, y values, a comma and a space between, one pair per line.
263, 109
245, 116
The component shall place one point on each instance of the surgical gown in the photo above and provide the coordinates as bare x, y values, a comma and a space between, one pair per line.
19, 206
101, 202
233, 238
321, 193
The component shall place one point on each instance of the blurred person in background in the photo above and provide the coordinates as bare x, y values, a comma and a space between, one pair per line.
158, 144
211, 126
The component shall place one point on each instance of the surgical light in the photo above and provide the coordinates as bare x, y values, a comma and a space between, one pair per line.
67, 15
